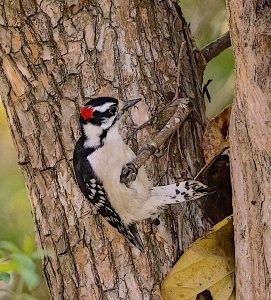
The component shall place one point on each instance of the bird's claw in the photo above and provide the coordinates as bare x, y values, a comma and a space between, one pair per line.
129, 173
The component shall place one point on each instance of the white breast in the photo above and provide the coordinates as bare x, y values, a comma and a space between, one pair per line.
107, 163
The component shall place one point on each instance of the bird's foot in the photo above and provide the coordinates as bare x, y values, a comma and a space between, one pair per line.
129, 173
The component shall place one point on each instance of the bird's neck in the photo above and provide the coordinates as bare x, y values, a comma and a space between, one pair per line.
96, 137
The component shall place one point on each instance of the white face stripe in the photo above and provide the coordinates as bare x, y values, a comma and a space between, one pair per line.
107, 122
92, 133
104, 107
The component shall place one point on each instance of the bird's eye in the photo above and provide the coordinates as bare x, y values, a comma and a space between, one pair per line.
112, 110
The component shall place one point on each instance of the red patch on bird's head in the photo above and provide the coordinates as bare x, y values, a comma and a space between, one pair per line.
86, 113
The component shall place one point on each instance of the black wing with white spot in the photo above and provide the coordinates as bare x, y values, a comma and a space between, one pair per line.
94, 191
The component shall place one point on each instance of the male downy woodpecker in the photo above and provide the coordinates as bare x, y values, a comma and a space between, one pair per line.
99, 156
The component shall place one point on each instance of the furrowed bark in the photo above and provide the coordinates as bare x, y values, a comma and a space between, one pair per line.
54, 56
250, 132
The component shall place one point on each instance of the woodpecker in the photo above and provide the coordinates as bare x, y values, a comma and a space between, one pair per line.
99, 156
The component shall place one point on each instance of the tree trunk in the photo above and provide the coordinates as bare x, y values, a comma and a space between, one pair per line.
54, 56
250, 140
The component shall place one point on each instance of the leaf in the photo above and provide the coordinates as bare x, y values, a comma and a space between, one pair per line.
4, 276
8, 266
31, 278
23, 265
26, 268
215, 137
9, 247
208, 264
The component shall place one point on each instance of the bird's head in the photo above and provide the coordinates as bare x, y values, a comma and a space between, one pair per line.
101, 113
104, 111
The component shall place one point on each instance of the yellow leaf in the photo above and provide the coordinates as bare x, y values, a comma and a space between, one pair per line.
208, 264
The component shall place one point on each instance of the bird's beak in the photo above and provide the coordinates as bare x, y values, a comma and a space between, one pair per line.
127, 105
130, 103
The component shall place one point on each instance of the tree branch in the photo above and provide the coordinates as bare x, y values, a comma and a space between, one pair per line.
216, 47
129, 171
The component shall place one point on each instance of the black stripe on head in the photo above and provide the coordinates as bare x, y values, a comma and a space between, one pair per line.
100, 117
100, 101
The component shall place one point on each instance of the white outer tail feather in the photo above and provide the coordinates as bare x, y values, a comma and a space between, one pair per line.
185, 191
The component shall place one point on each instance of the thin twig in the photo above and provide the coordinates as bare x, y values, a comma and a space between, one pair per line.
216, 47
205, 90
171, 107
183, 110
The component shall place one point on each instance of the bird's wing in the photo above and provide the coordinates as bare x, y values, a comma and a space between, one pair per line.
94, 191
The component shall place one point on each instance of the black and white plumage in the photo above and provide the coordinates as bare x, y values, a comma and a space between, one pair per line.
93, 190
99, 156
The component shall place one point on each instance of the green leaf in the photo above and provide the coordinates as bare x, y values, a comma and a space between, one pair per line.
22, 260
26, 268
30, 277
23, 265
8, 266
4, 276
9, 247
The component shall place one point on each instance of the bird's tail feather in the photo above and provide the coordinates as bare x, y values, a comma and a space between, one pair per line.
163, 195
135, 238
175, 193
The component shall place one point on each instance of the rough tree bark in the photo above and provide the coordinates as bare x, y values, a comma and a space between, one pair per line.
54, 56
250, 141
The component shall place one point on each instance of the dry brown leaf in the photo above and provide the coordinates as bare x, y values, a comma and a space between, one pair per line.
215, 135
208, 264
